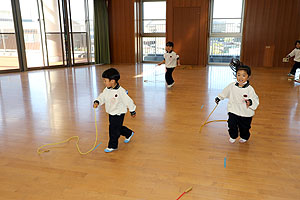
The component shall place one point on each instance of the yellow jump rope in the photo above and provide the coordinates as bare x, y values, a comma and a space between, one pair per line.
207, 122
39, 151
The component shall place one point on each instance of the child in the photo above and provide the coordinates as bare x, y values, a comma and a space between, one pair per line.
171, 59
296, 53
242, 102
116, 103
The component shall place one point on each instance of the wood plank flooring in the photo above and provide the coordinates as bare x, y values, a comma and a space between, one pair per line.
167, 154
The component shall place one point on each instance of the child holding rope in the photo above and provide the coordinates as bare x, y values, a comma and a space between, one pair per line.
243, 101
171, 60
296, 53
116, 103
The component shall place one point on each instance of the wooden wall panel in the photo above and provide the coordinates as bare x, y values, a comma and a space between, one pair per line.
201, 52
269, 25
121, 31
186, 32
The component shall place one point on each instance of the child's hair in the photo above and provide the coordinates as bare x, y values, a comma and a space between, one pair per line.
170, 44
111, 74
237, 65
298, 41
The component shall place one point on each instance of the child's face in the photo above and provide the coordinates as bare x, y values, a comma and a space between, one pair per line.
169, 48
242, 77
109, 83
298, 45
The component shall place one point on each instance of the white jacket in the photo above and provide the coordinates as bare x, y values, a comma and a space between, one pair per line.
237, 96
116, 101
171, 59
296, 53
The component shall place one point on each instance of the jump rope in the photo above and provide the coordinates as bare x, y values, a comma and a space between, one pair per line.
207, 122
39, 151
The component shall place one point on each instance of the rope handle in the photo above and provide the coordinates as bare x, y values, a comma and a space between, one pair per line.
186, 191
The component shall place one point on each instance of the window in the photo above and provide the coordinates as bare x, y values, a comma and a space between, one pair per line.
91, 31
225, 30
43, 33
79, 31
153, 30
8, 44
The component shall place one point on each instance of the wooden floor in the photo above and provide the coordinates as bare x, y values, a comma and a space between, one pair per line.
167, 154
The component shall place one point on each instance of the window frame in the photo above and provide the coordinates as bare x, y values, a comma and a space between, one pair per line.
144, 35
223, 35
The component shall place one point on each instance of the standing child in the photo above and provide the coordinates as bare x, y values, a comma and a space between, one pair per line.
116, 103
242, 102
296, 53
171, 60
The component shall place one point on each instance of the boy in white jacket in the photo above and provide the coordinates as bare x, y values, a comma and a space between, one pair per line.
171, 60
296, 54
116, 103
243, 101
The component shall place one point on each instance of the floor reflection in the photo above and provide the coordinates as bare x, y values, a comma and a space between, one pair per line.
11, 92
151, 74
154, 90
49, 101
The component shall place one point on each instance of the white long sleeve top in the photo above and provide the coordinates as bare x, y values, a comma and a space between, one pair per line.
171, 59
296, 53
116, 101
237, 96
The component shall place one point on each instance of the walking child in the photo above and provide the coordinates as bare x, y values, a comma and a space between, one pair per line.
171, 60
116, 103
296, 53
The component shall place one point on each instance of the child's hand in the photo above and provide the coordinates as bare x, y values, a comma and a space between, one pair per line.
159, 64
217, 100
133, 114
95, 105
248, 103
